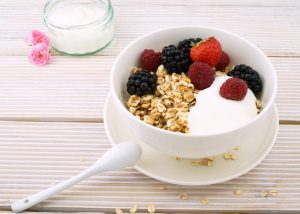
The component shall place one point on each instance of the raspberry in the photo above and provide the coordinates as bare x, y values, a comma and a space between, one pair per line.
248, 74
150, 60
201, 75
223, 61
234, 89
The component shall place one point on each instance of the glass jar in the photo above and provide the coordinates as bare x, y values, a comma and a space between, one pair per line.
79, 27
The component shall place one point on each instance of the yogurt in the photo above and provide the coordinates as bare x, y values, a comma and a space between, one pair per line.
213, 114
79, 27
69, 15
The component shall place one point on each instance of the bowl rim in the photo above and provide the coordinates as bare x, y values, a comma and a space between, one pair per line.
178, 134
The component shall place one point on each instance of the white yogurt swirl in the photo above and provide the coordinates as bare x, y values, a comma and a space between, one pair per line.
213, 114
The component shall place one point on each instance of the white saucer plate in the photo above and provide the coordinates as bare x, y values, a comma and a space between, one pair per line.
166, 168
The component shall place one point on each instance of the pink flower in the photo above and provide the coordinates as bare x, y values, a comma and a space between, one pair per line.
37, 37
40, 54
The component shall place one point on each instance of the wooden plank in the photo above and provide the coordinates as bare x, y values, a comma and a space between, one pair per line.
10, 212
276, 35
288, 99
60, 90
246, 3
75, 89
34, 156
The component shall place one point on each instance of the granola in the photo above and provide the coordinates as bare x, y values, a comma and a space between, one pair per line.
168, 108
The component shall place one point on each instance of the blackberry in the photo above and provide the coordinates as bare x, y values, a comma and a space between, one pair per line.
185, 45
174, 60
248, 74
141, 83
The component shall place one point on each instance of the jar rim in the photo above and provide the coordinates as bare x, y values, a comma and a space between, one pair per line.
107, 14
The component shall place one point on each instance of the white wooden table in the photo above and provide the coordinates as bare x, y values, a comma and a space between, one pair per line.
51, 124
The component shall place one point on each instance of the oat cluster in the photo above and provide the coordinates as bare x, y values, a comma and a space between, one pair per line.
169, 107
204, 201
183, 196
151, 208
270, 193
203, 162
230, 156
238, 192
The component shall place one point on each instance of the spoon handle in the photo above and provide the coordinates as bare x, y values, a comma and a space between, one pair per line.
32, 200
120, 156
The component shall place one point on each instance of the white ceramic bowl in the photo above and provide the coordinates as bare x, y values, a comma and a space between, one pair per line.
191, 145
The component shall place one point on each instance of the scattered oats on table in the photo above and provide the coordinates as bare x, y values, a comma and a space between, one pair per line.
133, 209
269, 193
238, 192
204, 201
151, 208
162, 187
273, 192
183, 196
264, 194
118, 211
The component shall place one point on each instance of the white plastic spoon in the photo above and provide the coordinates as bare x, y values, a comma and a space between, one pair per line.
118, 157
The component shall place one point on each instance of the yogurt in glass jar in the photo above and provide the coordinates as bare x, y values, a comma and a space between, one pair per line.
79, 27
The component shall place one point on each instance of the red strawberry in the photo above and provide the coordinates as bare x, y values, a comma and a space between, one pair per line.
201, 75
208, 50
223, 62
150, 60
234, 89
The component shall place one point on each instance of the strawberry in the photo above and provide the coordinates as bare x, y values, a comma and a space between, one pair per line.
208, 51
